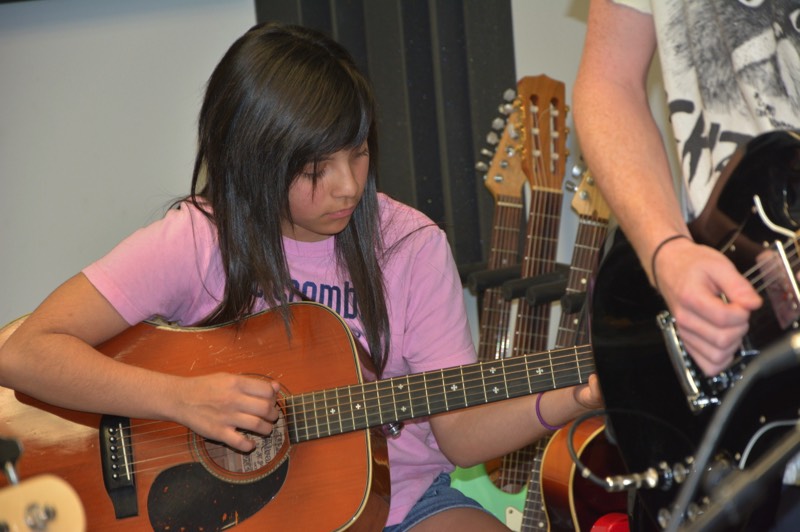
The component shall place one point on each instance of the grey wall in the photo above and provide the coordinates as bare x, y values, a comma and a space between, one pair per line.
98, 105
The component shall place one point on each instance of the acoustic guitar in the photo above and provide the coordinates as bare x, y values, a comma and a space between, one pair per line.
505, 180
557, 497
324, 467
544, 137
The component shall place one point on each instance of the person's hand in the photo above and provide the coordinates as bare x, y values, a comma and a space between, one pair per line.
709, 299
222, 405
589, 395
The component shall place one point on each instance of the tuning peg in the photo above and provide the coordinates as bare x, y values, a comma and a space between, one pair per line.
10, 451
498, 123
487, 153
578, 169
509, 95
570, 186
481, 166
492, 138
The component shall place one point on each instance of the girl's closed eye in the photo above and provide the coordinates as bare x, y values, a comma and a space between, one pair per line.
314, 170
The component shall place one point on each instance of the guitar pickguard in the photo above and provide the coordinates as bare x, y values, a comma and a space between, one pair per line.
188, 497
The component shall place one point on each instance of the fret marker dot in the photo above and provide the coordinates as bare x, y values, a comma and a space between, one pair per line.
454, 387
399, 386
493, 371
539, 371
496, 389
403, 409
358, 406
333, 411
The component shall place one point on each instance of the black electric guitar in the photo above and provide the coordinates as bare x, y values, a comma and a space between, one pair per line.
659, 403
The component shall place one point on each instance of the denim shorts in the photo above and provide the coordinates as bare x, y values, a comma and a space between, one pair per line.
439, 497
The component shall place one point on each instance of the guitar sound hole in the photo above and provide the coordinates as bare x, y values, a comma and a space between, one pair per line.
235, 466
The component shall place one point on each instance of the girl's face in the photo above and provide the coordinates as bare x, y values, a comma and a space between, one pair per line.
324, 209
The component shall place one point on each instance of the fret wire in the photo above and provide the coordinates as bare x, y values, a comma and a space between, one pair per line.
339, 411
406, 407
387, 403
319, 411
356, 408
292, 420
326, 412
438, 393
516, 378
370, 404
418, 395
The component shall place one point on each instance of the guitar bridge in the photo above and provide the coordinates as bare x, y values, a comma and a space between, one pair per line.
116, 457
700, 391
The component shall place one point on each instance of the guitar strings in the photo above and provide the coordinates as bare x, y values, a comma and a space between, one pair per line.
518, 374
166, 440
769, 272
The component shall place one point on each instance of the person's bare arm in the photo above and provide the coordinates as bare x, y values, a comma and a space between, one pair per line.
475, 435
50, 357
624, 150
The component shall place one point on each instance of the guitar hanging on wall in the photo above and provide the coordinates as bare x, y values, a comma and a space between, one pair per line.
504, 179
558, 498
532, 149
544, 158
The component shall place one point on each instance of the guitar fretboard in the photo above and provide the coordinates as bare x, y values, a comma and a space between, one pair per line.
338, 410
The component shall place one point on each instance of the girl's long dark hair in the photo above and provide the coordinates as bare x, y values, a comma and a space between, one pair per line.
280, 98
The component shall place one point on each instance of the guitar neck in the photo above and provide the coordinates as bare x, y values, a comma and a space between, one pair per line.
494, 341
334, 411
590, 236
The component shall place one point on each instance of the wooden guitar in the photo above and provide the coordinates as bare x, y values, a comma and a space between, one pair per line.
544, 155
659, 402
324, 467
557, 499
504, 179
44, 502
571, 501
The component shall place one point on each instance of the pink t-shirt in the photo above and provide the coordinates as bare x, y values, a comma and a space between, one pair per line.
172, 269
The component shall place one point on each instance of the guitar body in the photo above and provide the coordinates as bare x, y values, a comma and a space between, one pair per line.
476, 483
571, 501
649, 415
183, 482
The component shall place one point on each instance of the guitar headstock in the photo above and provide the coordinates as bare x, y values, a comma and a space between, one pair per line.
588, 201
544, 135
43, 502
504, 175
